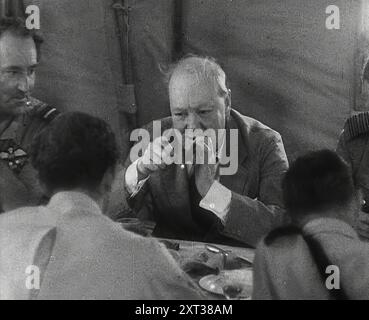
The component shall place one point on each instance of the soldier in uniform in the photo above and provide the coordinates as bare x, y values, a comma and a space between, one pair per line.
353, 146
21, 115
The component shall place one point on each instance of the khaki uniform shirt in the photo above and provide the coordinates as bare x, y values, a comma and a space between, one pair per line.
286, 270
82, 254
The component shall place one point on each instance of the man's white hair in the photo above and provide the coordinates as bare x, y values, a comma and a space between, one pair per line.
204, 68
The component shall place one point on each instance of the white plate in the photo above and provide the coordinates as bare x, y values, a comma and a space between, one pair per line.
215, 283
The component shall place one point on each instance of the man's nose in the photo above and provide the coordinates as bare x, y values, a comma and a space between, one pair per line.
25, 83
192, 121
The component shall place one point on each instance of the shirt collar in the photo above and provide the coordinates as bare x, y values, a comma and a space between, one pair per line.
66, 201
329, 225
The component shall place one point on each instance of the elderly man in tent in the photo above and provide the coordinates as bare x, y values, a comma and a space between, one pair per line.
208, 196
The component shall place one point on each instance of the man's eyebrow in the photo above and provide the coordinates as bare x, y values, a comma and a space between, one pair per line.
20, 68
205, 105
12, 67
178, 110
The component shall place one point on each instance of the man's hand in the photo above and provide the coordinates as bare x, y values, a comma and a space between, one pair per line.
201, 148
204, 177
158, 155
205, 172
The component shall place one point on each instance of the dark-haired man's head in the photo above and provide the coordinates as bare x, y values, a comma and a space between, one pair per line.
76, 152
19, 55
320, 183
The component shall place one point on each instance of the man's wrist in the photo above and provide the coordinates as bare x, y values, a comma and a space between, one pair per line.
217, 200
204, 188
133, 180
204, 183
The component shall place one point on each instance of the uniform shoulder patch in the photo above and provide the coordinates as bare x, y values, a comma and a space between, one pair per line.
43, 111
356, 125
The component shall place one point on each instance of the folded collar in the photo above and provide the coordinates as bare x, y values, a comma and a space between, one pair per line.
329, 225
66, 201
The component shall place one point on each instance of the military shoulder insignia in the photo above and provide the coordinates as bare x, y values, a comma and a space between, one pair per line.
356, 125
43, 111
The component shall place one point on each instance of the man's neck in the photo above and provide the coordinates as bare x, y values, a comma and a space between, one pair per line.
92, 194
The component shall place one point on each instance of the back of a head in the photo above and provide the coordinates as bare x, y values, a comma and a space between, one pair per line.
317, 182
74, 151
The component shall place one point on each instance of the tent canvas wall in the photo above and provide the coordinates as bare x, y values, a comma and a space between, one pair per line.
284, 66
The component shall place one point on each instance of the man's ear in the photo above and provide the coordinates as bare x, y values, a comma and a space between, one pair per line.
356, 206
44, 188
360, 201
105, 189
108, 180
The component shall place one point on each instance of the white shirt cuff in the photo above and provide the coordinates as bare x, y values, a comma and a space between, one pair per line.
132, 184
217, 200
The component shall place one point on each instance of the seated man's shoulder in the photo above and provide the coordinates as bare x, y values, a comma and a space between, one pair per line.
354, 137
26, 222
38, 116
22, 215
281, 244
119, 237
118, 244
137, 243
282, 236
254, 130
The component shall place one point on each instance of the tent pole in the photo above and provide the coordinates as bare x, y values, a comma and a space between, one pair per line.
178, 30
